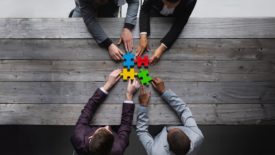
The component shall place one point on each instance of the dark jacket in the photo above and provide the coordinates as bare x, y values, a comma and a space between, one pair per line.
181, 13
83, 129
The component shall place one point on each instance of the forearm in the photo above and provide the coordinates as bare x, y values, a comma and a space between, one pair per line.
91, 106
126, 123
179, 24
88, 12
142, 119
173, 33
180, 107
144, 136
131, 16
144, 19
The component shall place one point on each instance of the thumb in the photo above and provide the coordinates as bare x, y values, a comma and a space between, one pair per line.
119, 41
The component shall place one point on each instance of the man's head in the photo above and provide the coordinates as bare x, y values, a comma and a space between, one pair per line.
101, 141
178, 142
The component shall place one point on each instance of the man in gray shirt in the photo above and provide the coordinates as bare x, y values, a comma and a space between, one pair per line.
172, 140
90, 9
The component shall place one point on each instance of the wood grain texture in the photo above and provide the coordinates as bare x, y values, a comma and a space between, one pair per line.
196, 28
183, 49
191, 92
224, 68
205, 114
47, 70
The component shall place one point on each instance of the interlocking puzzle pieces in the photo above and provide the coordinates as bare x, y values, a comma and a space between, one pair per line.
144, 77
128, 74
128, 60
142, 61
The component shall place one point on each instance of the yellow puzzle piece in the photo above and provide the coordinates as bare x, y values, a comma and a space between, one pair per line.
128, 74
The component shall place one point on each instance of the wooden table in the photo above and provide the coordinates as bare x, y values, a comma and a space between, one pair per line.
224, 68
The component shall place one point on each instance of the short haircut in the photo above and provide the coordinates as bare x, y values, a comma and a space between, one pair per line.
178, 142
101, 142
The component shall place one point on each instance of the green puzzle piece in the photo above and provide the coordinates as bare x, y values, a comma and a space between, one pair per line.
144, 77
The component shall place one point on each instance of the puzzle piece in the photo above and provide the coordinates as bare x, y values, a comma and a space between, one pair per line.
144, 77
142, 61
128, 74
128, 60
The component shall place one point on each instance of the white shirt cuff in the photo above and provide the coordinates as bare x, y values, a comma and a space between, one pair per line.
142, 33
128, 102
104, 91
163, 45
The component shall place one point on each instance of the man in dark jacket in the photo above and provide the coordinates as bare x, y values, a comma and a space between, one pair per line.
179, 9
104, 140
90, 9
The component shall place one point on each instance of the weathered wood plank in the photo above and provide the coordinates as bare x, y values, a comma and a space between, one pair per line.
196, 28
183, 49
205, 114
46, 70
191, 92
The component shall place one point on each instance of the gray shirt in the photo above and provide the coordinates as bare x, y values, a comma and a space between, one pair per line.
158, 145
88, 10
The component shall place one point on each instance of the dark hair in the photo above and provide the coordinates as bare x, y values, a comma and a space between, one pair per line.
172, 1
101, 142
101, 2
178, 141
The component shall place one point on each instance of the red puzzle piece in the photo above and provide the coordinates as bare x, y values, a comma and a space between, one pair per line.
142, 61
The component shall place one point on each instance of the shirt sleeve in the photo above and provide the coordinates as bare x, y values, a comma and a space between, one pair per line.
88, 12
185, 116
144, 17
78, 139
126, 125
131, 16
178, 25
142, 129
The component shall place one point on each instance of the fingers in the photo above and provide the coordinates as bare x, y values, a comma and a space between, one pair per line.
116, 57
141, 90
154, 84
131, 44
138, 50
136, 83
129, 82
118, 77
121, 52
153, 60
119, 41
119, 55
126, 46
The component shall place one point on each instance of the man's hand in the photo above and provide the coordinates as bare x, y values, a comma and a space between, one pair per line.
144, 97
132, 88
115, 53
112, 79
143, 43
157, 54
159, 86
127, 38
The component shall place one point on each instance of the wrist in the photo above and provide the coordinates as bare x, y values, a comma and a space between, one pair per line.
143, 36
144, 104
107, 87
162, 91
129, 96
162, 48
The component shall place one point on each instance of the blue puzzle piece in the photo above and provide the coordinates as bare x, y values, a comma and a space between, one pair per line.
128, 60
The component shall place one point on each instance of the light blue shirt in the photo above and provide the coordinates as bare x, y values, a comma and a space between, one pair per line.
159, 144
